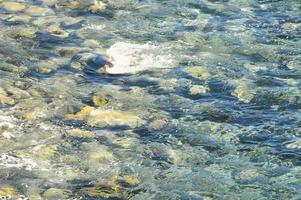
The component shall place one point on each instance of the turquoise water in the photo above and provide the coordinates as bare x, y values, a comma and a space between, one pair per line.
128, 99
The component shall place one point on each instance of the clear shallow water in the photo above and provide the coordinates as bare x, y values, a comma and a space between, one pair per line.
202, 101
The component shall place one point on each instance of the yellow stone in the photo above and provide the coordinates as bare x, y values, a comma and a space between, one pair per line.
113, 118
157, 124
27, 32
244, 91
49, 2
44, 69
13, 6
29, 116
3, 92
98, 117
35, 93
131, 180
83, 114
70, 174
91, 43
197, 89
197, 72
109, 188
70, 5
57, 31
45, 152
125, 143
99, 192
97, 7
21, 18
80, 133
6, 100
7, 191
291, 26
100, 156
34, 196
18, 93
37, 11
55, 193
99, 100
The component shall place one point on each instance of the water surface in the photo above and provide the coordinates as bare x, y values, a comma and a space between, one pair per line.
201, 101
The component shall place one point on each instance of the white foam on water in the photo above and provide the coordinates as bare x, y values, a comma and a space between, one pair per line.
94, 27
8, 135
130, 58
9, 161
7, 122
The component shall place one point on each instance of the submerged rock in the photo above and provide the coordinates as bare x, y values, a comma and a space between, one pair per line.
90, 62
26, 32
97, 6
13, 6
20, 18
55, 193
244, 91
114, 118
37, 11
103, 118
78, 133
99, 100
109, 188
198, 89
8, 193
4, 99
100, 155
157, 124
197, 72
294, 145
55, 30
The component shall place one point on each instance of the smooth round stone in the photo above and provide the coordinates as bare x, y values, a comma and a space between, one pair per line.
20, 18
50, 2
197, 72
26, 32
4, 99
37, 11
100, 155
8, 193
98, 6
13, 6
157, 124
55, 193
99, 100
198, 89
248, 175
57, 31
78, 133
294, 145
244, 91
91, 43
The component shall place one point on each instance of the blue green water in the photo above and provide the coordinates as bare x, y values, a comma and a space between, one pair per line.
128, 99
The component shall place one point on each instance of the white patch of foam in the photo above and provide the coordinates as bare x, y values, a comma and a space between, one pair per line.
7, 122
10, 161
8, 135
94, 27
130, 58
